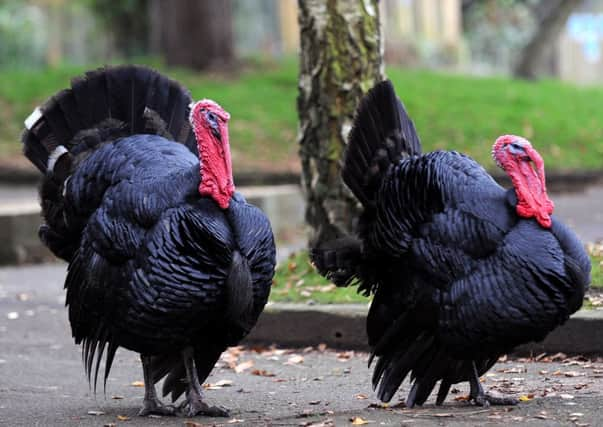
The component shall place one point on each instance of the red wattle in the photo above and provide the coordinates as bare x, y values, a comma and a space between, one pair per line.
215, 163
533, 201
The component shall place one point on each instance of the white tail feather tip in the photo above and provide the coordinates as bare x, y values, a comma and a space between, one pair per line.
33, 118
54, 156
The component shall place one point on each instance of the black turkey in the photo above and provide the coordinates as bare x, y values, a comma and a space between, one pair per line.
165, 259
462, 270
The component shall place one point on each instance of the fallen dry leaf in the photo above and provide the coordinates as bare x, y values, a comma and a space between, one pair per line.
192, 424
361, 396
557, 357
137, 384
294, 360
325, 423
515, 370
526, 397
262, 373
379, 405
358, 421
243, 366
345, 356
462, 398
218, 385
123, 418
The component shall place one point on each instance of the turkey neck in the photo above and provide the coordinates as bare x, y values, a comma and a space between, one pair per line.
215, 167
530, 188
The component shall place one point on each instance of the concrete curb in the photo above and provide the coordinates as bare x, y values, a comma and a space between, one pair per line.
344, 327
556, 181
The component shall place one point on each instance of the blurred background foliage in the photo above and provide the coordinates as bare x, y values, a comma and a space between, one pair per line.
452, 62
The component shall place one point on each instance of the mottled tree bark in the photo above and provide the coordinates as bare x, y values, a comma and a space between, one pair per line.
341, 59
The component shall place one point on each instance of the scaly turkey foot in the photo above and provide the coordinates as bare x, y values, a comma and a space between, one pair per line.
480, 398
486, 400
194, 405
151, 405
155, 407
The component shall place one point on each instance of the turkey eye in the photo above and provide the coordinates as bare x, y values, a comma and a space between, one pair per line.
212, 120
516, 148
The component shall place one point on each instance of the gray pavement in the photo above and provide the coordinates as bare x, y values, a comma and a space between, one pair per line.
42, 380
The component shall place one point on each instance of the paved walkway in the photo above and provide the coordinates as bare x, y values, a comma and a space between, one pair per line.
42, 380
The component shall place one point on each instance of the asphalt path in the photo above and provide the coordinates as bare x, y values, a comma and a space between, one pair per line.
42, 379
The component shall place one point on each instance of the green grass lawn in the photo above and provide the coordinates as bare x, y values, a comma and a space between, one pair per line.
297, 281
596, 257
450, 112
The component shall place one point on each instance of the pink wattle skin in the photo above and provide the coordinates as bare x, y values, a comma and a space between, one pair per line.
529, 183
214, 153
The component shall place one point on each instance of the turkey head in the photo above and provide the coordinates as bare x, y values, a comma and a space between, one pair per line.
516, 156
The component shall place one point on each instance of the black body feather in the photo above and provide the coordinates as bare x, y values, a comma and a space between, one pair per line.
457, 276
153, 266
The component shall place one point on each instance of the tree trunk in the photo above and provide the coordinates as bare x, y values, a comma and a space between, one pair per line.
553, 15
341, 59
193, 33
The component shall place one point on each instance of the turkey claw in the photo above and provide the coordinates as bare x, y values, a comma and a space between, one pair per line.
155, 407
198, 407
485, 400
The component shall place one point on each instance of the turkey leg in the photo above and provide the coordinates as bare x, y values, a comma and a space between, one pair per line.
480, 398
194, 404
151, 404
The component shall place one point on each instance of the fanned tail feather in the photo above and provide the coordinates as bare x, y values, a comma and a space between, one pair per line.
382, 135
102, 105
